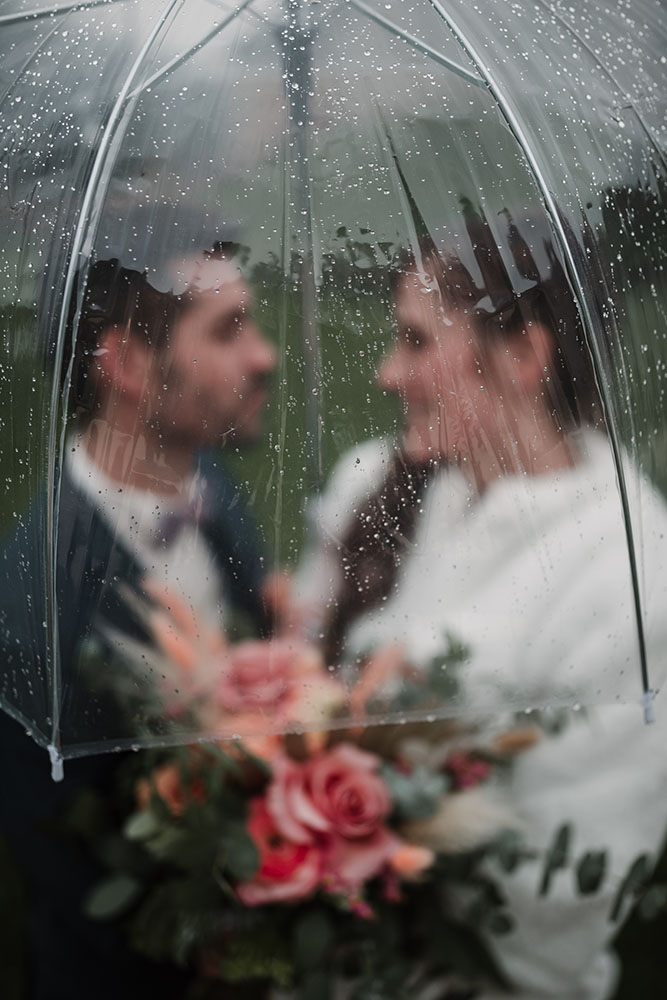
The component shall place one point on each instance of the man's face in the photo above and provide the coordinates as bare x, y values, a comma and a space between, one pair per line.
451, 410
212, 380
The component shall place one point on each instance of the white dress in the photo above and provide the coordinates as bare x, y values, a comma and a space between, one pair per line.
534, 578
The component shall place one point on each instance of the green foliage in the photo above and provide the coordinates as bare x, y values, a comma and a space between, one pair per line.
591, 871
509, 850
142, 826
557, 856
415, 794
313, 937
177, 916
437, 683
262, 955
113, 897
632, 885
240, 852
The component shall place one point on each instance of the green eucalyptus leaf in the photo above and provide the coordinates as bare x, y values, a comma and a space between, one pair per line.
241, 856
557, 856
118, 854
415, 795
591, 871
168, 844
509, 850
632, 884
142, 825
113, 897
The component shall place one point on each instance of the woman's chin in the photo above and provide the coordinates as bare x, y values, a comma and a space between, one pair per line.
422, 444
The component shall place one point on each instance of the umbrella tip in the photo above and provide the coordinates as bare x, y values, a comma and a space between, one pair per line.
647, 705
57, 763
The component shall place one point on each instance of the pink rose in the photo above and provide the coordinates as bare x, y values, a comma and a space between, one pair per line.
287, 871
290, 803
336, 800
257, 676
350, 863
347, 791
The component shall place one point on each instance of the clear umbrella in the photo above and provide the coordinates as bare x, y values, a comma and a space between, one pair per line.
320, 158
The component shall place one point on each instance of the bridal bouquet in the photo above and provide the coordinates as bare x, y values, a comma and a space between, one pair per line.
291, 862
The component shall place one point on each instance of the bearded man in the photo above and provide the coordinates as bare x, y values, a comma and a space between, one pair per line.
159, 379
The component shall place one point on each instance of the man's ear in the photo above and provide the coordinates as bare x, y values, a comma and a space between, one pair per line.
122, 362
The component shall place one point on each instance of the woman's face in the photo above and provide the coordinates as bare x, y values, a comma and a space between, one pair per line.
454, 407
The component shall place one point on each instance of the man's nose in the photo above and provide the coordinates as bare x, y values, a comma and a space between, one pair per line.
264, 357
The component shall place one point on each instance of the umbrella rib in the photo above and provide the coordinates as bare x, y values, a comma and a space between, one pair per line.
416, 43
550, 203
409, 208
184, 56
40, 12
90, 209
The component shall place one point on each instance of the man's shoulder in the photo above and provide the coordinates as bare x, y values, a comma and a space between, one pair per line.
87, 556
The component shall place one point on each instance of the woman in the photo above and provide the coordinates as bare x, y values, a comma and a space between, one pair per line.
496, 519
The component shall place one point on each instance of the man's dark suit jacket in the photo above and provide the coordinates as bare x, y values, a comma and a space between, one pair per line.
69, 956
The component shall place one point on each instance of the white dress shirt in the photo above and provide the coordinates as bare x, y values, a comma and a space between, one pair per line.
161, 532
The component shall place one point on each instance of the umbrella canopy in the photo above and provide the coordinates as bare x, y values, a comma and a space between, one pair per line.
323, 160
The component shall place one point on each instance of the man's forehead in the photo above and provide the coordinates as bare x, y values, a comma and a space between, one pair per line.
201, 274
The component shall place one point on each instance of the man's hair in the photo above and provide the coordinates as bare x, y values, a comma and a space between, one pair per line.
116, 296
513, 295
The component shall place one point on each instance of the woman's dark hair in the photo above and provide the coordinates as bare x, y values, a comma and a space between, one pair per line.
514, 292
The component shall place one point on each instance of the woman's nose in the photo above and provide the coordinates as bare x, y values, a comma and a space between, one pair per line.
389, 374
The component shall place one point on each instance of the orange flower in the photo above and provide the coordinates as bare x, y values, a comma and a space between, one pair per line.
167, 782
517, 740
411, 860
